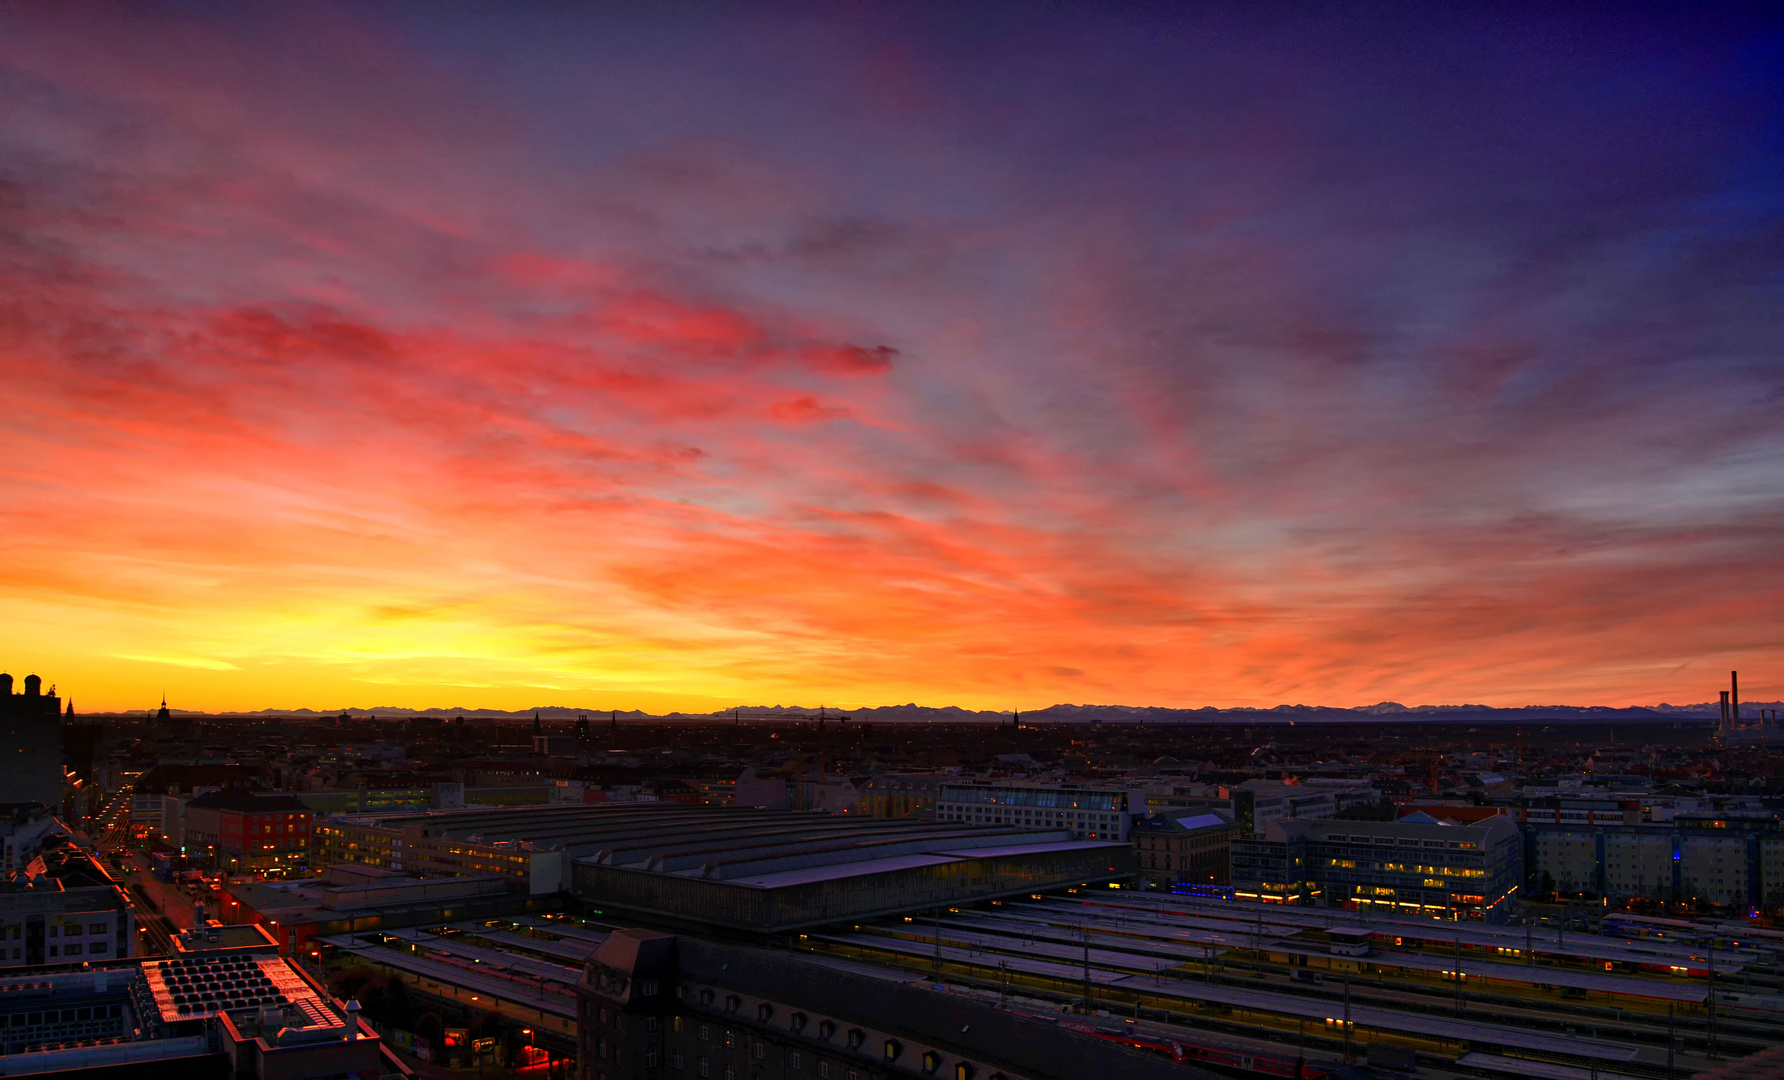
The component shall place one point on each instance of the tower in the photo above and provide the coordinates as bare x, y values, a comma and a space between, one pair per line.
30, 743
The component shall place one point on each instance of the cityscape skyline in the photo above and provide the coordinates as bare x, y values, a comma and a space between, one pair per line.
1173, 356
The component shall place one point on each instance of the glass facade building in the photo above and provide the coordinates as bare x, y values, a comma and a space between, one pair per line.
1406, 867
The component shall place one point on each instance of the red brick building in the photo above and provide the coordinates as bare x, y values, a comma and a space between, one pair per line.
249, 832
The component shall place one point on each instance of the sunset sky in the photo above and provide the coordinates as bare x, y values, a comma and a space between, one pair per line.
657, 356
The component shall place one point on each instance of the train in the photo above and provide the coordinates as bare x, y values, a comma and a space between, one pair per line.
1199, 1052
1757, 1006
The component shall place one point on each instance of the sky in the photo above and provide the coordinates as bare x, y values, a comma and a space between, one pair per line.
689, 355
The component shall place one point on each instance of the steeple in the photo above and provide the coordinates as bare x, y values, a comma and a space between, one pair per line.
162, 715
538, 728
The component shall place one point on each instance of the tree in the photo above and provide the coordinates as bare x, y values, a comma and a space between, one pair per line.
431, 1026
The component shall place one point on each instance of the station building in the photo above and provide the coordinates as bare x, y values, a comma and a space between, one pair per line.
726, 869
737, 868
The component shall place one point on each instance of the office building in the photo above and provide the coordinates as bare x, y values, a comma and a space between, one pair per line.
64, 908
1409, 866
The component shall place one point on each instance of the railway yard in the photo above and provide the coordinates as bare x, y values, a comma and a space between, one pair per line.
1301, 987
1236, 989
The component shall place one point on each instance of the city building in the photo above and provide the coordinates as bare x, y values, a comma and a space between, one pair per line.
1088, 812
652, 1004
520, 843
761, 791
157, 797
1689, 858
64, 908
764, 871
1255, 804
358, 898
828, 792
248, 832
1409, 866
901, 795
224, 1006
1184, 848
30, 744
25, 830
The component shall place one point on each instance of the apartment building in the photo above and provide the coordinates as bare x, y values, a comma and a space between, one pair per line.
1709, 858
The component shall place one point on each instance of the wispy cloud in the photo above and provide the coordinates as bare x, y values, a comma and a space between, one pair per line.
198, 662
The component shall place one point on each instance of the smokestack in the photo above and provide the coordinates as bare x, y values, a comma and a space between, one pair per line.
1734, 697
1722, 725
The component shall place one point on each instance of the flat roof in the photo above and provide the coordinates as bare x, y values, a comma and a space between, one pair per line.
205, 984
1547, 1070
1542, 940
545, 997
842, 870
1032, 848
